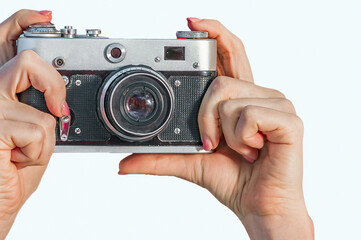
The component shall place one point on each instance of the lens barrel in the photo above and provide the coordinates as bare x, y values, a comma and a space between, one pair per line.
136, 103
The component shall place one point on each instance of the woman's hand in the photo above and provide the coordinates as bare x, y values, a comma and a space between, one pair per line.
256, 169
27, 135
12, 27
232, 58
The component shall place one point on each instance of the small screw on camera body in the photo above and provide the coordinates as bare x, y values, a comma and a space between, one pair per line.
77, 131
59, 62
176, 130
196, 65
66, 80
157, 59
78, 82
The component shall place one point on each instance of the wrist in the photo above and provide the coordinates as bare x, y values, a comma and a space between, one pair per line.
291, 226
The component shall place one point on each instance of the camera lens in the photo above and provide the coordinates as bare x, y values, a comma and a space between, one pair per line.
136, 103
140, 105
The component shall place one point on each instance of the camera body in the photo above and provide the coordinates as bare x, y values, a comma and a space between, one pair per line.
125, 95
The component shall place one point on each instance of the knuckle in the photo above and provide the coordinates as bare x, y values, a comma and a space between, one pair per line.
278, 94
19, 13
248, 112
217, 23
295, 128
26, 57
221, 86
298, 123
225, 108
37, 132
48, 121
288, 105
218, 83
239, 43
242, 138
37, 138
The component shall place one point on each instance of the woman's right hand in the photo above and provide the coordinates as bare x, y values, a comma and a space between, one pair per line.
27, 135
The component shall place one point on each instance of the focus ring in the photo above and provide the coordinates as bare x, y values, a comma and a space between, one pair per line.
111, 103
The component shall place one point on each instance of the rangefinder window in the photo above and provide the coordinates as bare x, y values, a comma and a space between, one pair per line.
174, 53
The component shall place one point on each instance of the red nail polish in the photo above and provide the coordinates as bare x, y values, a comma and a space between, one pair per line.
45, 12
207, 144
65, 109
193, 19
249, 159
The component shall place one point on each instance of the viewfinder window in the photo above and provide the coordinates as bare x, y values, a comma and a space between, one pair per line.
174, 53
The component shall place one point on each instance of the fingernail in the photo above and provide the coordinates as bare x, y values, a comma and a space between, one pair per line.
207, 144
45, 12
249, 159
65, 109
193, 19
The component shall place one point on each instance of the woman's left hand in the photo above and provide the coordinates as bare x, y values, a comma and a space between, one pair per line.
13, 27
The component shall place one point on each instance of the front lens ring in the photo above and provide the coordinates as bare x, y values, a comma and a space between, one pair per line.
128, 71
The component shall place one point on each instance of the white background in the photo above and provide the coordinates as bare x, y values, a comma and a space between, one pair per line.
309, 49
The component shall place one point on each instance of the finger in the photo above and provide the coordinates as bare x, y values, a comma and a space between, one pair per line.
12, 27
230, 48
184, 166
229, 112
15, 111
25, 139
225, 88
27, 143
278, 127
27, 69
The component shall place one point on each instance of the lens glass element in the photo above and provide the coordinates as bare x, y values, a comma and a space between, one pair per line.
140, 104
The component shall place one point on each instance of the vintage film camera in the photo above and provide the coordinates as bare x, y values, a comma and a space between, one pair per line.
125, 95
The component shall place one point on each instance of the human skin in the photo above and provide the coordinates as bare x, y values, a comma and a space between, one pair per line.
256, 166
255, 132
27, 136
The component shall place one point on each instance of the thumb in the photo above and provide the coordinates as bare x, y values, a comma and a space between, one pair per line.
185, 166
12, 27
